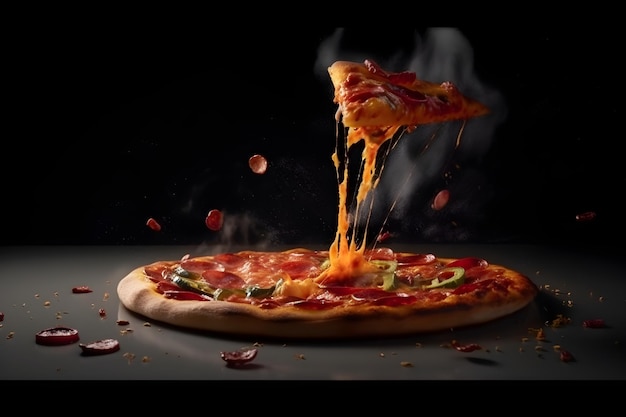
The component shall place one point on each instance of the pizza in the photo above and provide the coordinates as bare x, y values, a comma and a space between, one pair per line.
354, 288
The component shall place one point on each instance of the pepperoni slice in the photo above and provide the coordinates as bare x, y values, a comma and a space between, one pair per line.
440, 200
153, 224
214, 220
258, 164
83, 289
100, 347
56, 336
380, 254
415, 259
221, 279
300, 268
199, 265
469, 262
239, 357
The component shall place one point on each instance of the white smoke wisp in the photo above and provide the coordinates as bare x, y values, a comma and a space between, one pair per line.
417, 161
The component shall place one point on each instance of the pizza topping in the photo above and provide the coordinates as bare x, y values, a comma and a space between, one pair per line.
594, 323
1, 316
153, 224
81, 290
466, 348
449, 277
566, 356
56, 336
440, 200
469, 262
100, 347
239, 357
258, 164
214, 220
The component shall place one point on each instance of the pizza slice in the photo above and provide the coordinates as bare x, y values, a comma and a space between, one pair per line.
375, 104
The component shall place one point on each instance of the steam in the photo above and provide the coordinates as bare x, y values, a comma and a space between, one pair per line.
419, 166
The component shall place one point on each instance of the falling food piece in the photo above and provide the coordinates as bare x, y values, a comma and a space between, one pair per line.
258, 164
586, 216
153, 224
383, 236
214, 220
440, 200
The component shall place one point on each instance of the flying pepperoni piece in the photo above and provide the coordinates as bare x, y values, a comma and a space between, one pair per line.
586, 216
440, 200
258, 164
214, 220
153, 224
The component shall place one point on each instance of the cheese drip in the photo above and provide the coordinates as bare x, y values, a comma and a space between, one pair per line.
346, 255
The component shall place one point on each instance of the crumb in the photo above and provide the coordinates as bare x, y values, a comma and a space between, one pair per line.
145, 359
300, 356
47, 303
147, 324
419, 345
257, 344
382, 355
10, 335
406, 364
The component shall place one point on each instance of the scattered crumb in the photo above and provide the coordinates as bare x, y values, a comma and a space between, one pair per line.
106, 296
419, 345
524, 339
382, 355
10, 335
257, 344
406, 364
556, 348
36, 295
540, 335
521, 349
498, 349
47, 303
601, 299
145, 359
147, 324
559, 321
300, 356
539, 348
129, 356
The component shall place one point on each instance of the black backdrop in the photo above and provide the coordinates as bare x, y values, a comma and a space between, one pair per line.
104, 131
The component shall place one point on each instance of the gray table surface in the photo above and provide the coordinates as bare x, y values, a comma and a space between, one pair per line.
35, 294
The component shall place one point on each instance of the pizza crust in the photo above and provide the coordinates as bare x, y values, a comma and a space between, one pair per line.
136, 292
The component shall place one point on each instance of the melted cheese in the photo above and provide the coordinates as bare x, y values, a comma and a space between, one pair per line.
347, 258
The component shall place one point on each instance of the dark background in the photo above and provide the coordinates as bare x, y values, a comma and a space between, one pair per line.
106, 129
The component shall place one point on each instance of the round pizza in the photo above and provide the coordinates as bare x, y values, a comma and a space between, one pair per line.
298, 294
349, 290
